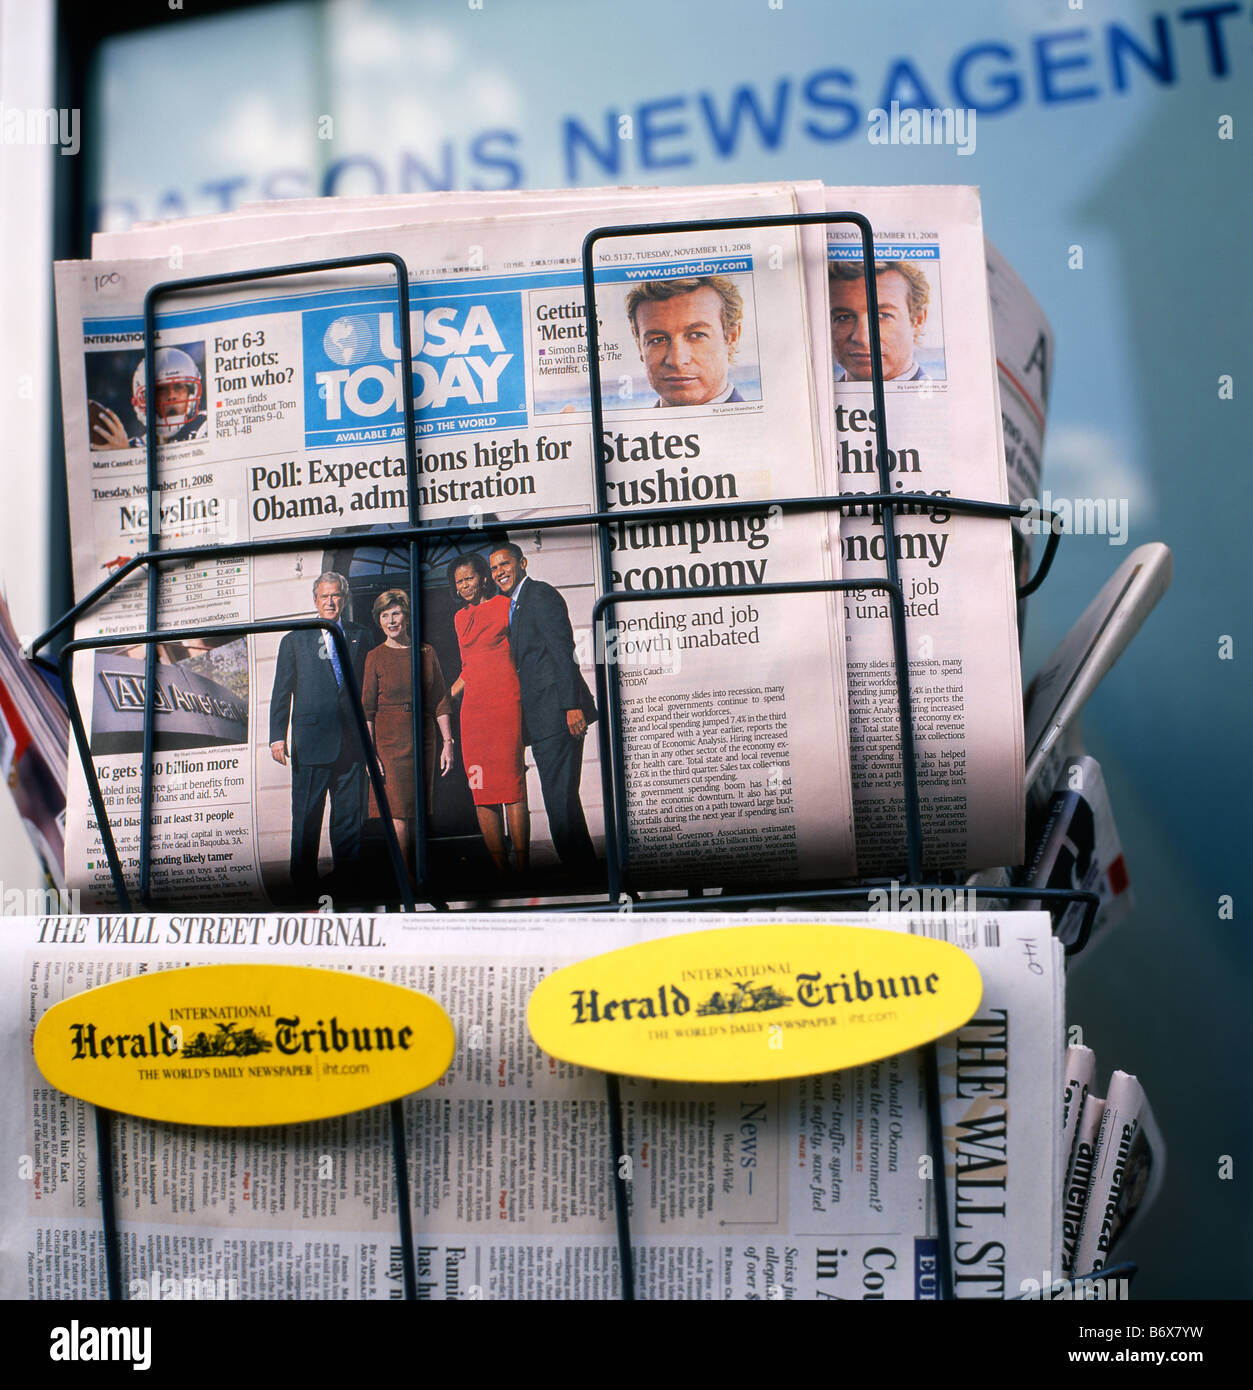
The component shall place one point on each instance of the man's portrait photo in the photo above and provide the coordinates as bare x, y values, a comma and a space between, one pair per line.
689, 331
120, 379
311, 731
904, 293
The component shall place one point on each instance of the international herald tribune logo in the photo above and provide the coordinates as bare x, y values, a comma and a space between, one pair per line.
156, 1038
744, 997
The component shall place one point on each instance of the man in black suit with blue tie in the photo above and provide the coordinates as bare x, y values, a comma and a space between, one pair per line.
325, 756
557, 706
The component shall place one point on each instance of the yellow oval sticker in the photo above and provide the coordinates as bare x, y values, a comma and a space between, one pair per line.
244, 1044
754, 1003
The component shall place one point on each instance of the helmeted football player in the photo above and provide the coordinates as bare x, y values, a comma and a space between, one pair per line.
180, 394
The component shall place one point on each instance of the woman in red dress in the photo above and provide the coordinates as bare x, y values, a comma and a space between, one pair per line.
491, 713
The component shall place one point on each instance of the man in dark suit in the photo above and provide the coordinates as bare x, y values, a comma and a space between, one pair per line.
687, 330
557, 706
325, 755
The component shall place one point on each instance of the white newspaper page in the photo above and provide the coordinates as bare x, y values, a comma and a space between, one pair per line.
817, 1188
956, 571
1024, 365
296, 217
280, 416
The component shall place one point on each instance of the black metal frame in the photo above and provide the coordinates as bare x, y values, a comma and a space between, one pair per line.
882, 506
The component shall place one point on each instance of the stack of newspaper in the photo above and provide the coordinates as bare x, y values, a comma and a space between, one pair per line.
1115, 1164
761, 730
817, 1187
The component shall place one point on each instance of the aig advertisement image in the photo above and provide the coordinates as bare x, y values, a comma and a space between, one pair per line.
200, 697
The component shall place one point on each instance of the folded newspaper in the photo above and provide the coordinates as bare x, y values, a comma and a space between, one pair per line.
1078, 849
815, 1188
762, 738
1128, 1167
1024, 370
943, 439
1077, 1190
34, 748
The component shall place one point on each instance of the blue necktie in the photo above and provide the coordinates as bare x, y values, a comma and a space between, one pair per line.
335, 666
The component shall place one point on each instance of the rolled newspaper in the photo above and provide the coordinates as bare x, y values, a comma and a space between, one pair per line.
1079, 1179
1127, 1172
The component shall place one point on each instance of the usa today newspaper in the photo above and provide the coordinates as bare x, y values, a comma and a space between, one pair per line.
944, 439
287, 422
815, 1188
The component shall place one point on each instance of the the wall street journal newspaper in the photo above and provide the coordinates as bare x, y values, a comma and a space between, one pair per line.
279, 414
816, 1188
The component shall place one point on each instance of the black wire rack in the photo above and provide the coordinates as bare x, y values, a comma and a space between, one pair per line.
618, 888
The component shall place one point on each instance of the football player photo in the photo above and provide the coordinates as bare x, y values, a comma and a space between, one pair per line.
179, 397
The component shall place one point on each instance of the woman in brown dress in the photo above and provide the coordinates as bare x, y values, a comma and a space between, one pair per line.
387, 695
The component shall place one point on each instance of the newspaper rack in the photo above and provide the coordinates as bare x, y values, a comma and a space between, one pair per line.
618, 888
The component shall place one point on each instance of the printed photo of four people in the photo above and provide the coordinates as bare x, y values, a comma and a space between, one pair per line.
508, 690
